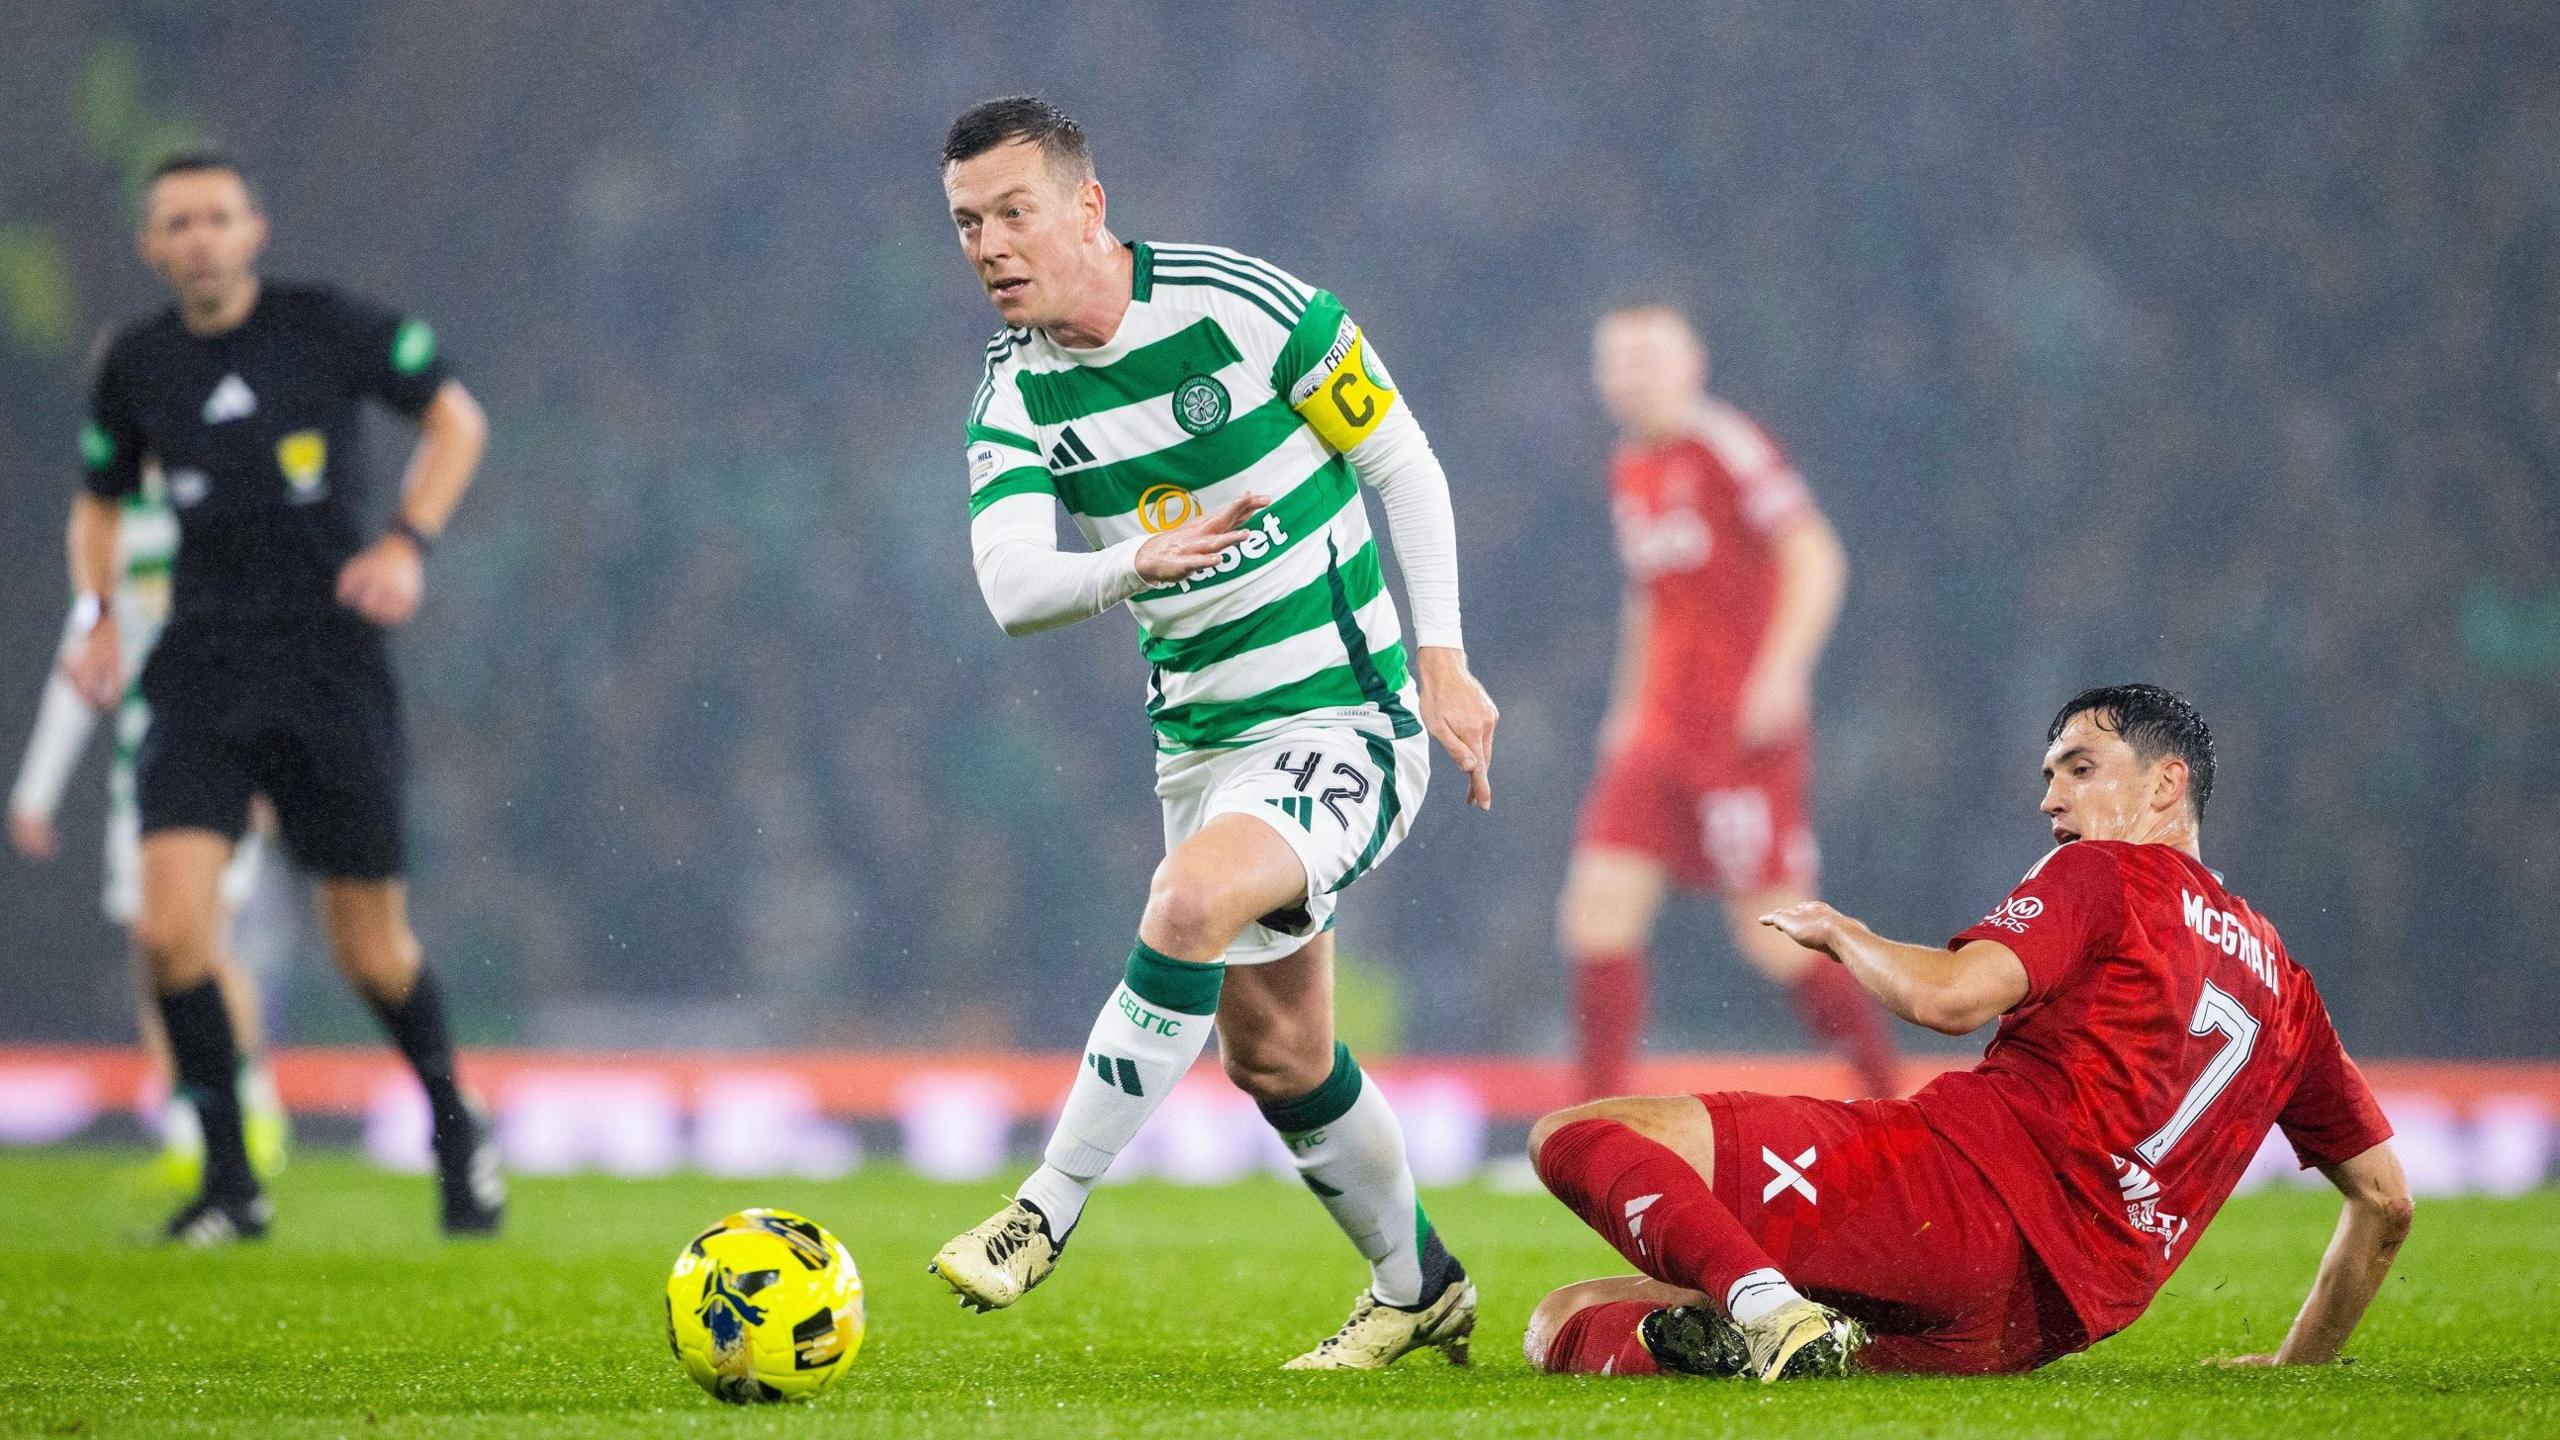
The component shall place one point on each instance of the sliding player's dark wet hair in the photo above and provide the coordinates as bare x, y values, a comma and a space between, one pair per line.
984, 126
2155, 722
198, 161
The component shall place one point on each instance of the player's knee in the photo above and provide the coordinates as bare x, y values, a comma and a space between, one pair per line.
1594, 918
1546, 1320
1275, 1069
1188, 911
1554, 1120
178, 955
380, 962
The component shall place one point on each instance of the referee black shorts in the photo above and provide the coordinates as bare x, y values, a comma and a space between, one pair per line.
314, 726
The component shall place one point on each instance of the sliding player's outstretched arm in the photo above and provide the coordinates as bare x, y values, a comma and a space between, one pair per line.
1953, 992
2370, 1230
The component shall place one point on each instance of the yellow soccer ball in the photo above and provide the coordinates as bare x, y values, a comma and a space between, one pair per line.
764, 1306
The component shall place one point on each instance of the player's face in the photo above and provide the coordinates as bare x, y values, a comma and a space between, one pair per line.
202, 232
2097, 788
1648, 368
1026, 230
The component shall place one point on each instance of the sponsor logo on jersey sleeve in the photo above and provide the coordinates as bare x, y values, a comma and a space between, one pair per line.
982, 465
2015, 914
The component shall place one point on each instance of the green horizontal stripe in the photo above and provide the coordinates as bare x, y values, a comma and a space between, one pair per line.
978, 433
1208, 723
143, 567
1020, 480
1305, 510
1057, 396
1301, 610
1200, 461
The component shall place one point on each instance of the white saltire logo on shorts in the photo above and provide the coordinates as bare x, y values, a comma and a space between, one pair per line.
1787, 1177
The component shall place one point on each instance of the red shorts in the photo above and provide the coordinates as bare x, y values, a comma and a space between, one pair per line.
1868, 1210
1717, 818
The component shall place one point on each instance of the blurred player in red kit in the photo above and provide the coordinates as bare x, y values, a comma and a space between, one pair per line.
2152, 1029
1733, 581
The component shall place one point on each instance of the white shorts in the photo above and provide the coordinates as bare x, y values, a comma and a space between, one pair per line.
1342, 797
122, 897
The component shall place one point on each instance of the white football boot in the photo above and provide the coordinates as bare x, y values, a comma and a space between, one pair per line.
997, 1261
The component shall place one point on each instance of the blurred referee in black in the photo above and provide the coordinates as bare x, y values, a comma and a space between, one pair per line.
273, 676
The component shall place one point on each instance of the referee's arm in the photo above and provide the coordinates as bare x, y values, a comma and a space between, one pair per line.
92, 661
384, 581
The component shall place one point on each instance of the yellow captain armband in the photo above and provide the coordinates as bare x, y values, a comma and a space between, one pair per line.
1348, 393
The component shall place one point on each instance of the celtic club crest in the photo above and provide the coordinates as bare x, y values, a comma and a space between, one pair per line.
1200, 404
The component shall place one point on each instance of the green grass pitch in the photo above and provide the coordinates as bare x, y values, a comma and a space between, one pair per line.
1169, 1318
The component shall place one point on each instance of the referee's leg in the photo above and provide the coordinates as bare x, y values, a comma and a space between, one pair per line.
376, 950
179, 933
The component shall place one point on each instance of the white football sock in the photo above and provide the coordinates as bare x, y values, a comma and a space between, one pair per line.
1758, 1293
1146, 1037
1350, 1152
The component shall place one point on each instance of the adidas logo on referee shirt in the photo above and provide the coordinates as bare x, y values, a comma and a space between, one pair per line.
232, 399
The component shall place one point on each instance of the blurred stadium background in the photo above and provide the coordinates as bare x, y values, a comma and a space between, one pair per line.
2210, 343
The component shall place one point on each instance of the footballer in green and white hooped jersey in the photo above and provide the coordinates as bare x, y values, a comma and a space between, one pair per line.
146, 550
1210, 423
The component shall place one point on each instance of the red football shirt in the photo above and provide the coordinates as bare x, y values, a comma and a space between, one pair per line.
1695, 517
2164, 1030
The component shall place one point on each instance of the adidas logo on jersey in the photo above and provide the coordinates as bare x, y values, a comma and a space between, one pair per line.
231, 400
1070, 451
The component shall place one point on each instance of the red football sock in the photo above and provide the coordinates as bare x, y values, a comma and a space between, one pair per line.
1649, 1203
1837, 1010
1608, 1020
1601, 1340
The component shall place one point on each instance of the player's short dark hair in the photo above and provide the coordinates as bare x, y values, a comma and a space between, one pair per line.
199, 160
990, 123
2155, 722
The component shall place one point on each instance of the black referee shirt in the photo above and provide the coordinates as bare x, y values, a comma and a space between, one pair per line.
257, 435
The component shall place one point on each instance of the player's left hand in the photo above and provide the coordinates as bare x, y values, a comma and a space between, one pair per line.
1809, 923
1776, 706
383, 582
1460, 715
33, 835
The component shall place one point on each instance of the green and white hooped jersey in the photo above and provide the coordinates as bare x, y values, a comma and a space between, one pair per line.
1227, 376
146, 552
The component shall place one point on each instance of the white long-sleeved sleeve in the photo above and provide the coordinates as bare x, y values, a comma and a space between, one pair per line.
1029, 583
64, 723
1397, 462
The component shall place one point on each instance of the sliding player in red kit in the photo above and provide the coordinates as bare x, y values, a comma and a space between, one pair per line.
1706, 757
2152, 1029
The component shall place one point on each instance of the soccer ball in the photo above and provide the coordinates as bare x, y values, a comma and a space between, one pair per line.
764, 1306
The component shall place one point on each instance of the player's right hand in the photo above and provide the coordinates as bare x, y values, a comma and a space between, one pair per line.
33, 835
96, 669
1196, 544
1809, 923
